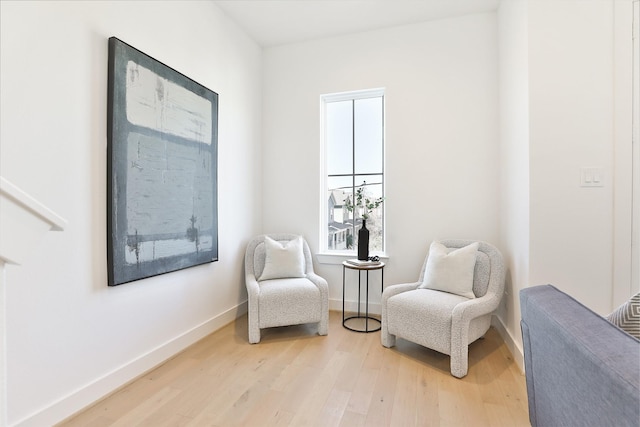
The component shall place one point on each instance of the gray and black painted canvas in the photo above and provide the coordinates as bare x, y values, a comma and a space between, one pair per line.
162, 134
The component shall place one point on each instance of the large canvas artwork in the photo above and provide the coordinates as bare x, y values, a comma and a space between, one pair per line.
162, 137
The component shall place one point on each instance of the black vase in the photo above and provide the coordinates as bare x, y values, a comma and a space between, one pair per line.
363, 242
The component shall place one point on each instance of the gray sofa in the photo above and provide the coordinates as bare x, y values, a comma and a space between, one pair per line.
580, 369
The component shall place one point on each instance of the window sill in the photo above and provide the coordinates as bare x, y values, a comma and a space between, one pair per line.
339, 257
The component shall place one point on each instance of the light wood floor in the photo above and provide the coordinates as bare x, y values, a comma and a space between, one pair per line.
296, 378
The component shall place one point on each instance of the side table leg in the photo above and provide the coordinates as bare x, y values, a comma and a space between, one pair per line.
343, 268
366, 315
359, 275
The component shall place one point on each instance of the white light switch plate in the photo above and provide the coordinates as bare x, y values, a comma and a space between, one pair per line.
591, 177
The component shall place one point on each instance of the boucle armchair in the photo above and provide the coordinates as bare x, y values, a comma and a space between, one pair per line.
444, 321
283, 295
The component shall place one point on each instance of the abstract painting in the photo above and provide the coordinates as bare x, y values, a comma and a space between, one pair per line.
162, 141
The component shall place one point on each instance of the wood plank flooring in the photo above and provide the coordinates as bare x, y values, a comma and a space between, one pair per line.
294, 377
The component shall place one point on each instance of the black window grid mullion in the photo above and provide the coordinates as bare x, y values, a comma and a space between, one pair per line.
353, 164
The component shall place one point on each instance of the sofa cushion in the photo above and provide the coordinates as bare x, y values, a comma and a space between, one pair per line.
627, 316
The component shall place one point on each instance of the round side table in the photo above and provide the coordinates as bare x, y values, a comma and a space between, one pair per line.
360, 268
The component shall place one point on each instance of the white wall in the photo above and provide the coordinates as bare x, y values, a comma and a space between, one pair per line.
626, 258
514, 161
441, 134
563, 93
70, 338
571, 126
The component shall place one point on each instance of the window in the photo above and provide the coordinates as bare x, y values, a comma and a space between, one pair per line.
353, 147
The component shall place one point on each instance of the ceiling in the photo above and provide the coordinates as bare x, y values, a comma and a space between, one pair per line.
277, 22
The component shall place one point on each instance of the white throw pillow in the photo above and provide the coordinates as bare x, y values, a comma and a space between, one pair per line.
283, 260
451, 271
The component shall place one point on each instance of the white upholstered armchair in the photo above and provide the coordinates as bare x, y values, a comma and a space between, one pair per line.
282, 286
444, 321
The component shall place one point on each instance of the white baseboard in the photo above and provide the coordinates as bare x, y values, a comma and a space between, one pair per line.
513, 346
101, 387
352, 306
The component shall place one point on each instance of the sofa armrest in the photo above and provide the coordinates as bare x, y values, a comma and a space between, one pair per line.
580, 369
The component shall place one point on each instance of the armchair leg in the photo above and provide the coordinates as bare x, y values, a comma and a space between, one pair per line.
387, 339
460, 361
323, 328
323, 324
254, 332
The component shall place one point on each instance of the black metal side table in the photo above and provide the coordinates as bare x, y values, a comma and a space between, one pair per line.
366, 317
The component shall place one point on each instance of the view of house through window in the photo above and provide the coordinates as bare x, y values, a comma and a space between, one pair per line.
354, 156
